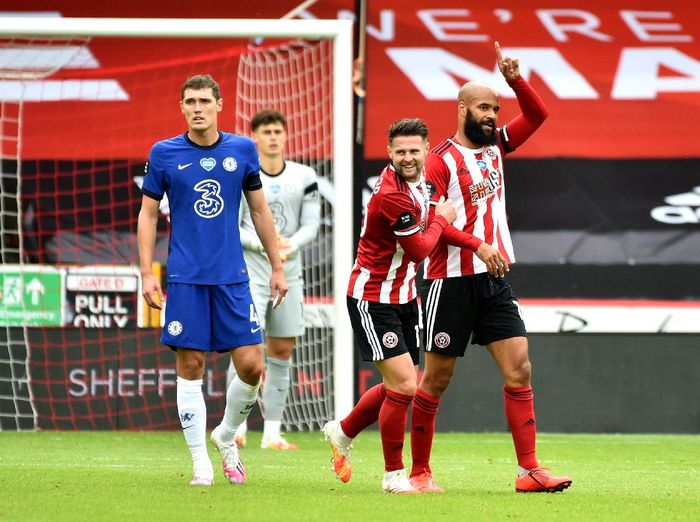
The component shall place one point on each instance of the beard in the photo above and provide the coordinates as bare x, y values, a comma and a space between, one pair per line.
475, 132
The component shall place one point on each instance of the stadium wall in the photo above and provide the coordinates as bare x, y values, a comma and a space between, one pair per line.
593, 383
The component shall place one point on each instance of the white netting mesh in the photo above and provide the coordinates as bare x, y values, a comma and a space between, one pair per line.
296, 79
63, 205
23, 62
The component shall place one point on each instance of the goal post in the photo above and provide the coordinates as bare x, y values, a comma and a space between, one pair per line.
340, 174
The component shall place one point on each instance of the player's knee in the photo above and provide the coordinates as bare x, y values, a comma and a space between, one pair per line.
436, 383
190, 366
254, 374
520, 374
406, 387
251, 371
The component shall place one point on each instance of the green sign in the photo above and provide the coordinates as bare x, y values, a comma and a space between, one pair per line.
30, 296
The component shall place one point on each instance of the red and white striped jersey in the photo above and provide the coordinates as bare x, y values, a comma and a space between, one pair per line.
382, 272
473, 180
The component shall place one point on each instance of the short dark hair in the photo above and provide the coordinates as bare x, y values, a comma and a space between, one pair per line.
408, 127
201, 81
267, 117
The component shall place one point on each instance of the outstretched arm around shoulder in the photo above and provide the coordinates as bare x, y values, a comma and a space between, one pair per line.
417, 246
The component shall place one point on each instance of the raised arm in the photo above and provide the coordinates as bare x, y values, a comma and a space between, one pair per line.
533, 109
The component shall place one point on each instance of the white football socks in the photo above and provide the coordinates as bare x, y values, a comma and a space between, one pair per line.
274, 395
240, 398
193, 419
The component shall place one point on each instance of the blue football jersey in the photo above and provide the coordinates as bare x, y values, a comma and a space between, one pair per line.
204, 186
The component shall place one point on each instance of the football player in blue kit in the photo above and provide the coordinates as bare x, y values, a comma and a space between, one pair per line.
204, 172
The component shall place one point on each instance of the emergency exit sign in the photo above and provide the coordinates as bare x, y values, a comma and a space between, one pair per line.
31, 296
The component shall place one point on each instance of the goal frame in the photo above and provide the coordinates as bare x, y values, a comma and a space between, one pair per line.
340, 31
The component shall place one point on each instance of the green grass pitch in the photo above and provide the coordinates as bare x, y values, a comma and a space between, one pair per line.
57, 476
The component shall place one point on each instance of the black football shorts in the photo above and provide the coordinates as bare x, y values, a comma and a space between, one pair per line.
480, 307
383, 330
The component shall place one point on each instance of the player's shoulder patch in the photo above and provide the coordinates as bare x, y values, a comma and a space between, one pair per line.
406, 220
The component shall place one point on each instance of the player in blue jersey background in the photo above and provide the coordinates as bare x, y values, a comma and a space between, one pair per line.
204, 172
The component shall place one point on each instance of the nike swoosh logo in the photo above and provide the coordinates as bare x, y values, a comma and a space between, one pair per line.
180, 167
253, 330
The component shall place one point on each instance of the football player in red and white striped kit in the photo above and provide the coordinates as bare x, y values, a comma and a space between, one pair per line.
464, 293
395, 237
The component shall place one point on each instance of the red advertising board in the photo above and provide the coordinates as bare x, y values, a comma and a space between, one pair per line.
621, 78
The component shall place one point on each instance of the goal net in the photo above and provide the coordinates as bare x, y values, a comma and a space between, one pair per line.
81, 101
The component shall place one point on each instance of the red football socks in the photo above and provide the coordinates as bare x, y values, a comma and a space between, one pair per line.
425, 409
393, 416
520, 413
366, 411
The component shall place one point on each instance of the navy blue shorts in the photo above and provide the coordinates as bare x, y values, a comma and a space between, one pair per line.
210, 318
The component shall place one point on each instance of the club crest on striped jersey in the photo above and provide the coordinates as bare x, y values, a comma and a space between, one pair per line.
490, 152
230, 164
442, 340
390, 340
207, 163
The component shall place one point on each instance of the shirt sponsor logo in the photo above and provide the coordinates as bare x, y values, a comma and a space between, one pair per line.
484, 189
210, 204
